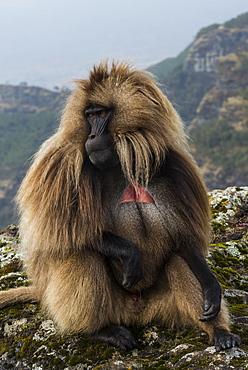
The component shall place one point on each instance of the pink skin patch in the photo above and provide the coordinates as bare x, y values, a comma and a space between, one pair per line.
136, 194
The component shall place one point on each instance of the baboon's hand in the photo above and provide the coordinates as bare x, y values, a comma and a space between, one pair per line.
212, 303
127, 253
132, 270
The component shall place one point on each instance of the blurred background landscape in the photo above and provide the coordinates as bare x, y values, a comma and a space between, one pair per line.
207, 82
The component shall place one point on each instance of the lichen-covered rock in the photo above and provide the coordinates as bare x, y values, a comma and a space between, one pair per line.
29, 340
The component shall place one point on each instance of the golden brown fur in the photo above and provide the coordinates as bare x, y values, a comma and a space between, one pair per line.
66, 204
57, 175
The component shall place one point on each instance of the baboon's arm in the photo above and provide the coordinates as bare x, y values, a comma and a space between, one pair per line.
208, 281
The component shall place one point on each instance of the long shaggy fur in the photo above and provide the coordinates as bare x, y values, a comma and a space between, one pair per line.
66, 205
58, 197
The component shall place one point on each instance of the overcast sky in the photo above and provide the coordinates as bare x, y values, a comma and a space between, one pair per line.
48, 42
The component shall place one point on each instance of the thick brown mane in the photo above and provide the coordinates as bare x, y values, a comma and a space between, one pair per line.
59, 193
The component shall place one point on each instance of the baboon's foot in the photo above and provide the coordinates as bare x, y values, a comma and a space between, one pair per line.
223, 339
116, 335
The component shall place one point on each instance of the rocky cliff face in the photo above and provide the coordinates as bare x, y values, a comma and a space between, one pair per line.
227, 99
208, 48
220, 53
222, 118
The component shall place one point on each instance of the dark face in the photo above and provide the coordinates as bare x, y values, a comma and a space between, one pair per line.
100, 145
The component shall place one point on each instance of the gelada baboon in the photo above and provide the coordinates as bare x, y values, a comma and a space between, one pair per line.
115, 217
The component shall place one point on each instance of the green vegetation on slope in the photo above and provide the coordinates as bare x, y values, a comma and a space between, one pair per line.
20, 136
224, 145
186, 89
238, 22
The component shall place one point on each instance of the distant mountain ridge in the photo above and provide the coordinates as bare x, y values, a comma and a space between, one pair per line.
27, 99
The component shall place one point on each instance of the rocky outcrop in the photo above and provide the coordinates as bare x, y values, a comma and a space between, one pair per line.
231, 71
227, 100
29, 340
208, 48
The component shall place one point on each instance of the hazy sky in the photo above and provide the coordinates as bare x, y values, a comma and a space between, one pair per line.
48, 42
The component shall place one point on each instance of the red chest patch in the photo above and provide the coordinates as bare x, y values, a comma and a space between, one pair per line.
136, 194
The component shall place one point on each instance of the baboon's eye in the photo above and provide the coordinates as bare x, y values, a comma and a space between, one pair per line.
102, 113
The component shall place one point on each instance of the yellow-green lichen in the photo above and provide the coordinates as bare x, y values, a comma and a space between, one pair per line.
240, 308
